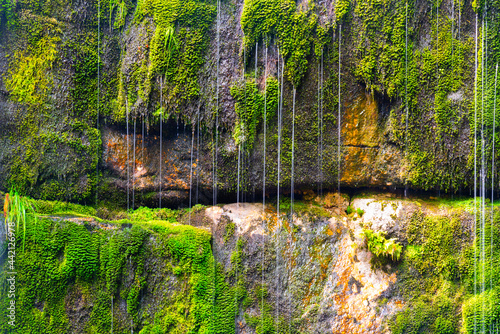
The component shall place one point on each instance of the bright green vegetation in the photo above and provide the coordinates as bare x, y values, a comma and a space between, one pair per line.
380, 246
29, 77
250, 109
39, 138
437, 72
293, 29
164, 273
175, 51
438, 270
16, 209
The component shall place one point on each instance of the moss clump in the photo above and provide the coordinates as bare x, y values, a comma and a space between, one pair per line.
66, 261
28, 80
294, 31
448, 271
190, 23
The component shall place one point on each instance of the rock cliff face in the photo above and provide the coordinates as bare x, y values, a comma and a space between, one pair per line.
240, 269
406, 96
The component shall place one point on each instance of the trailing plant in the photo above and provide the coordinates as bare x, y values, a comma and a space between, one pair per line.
16, 209
379, 245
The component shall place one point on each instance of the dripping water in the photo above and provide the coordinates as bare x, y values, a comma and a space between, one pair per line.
98, 91
161, 137
292, 181
142, 143
238, 187
339, 121
482, 174
321, 128
238, 182
198, 156
133, 167
257, 88
406, 89
493, 177
475, 168
128, 161
191, 174
278, 228
264, 187
214, 167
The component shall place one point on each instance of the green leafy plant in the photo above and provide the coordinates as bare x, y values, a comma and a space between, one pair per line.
349, 210
379, 245
360, 212
16, 209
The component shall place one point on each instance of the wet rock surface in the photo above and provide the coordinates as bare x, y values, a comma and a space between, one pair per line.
316, 270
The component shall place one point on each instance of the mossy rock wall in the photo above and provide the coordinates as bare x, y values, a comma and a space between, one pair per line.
410, 98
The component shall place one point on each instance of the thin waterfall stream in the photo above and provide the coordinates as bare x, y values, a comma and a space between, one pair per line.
339, 120
264, 220
278, 215
128, 159
191, 174
292, 177
198, 156
484, 65
161, 140
214, 148
475, 162
493, 177
406, 92
98, 91
133, 165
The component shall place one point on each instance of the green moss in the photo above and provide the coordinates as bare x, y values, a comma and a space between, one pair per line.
293, 29
249, 107
180, 66
481, 311
35, 64
263, 323
64, 260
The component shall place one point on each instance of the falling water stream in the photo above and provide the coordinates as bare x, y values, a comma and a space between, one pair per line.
98, 92
264, 187
191, 174
238, 177
133, 166
493, 178
406, 89
292, 180
214, 166
128, 159
161, 137
238, 186
278, 217
142, 142
475, 167
339, 121
198, 156
484, 65
320, 126
319, 122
